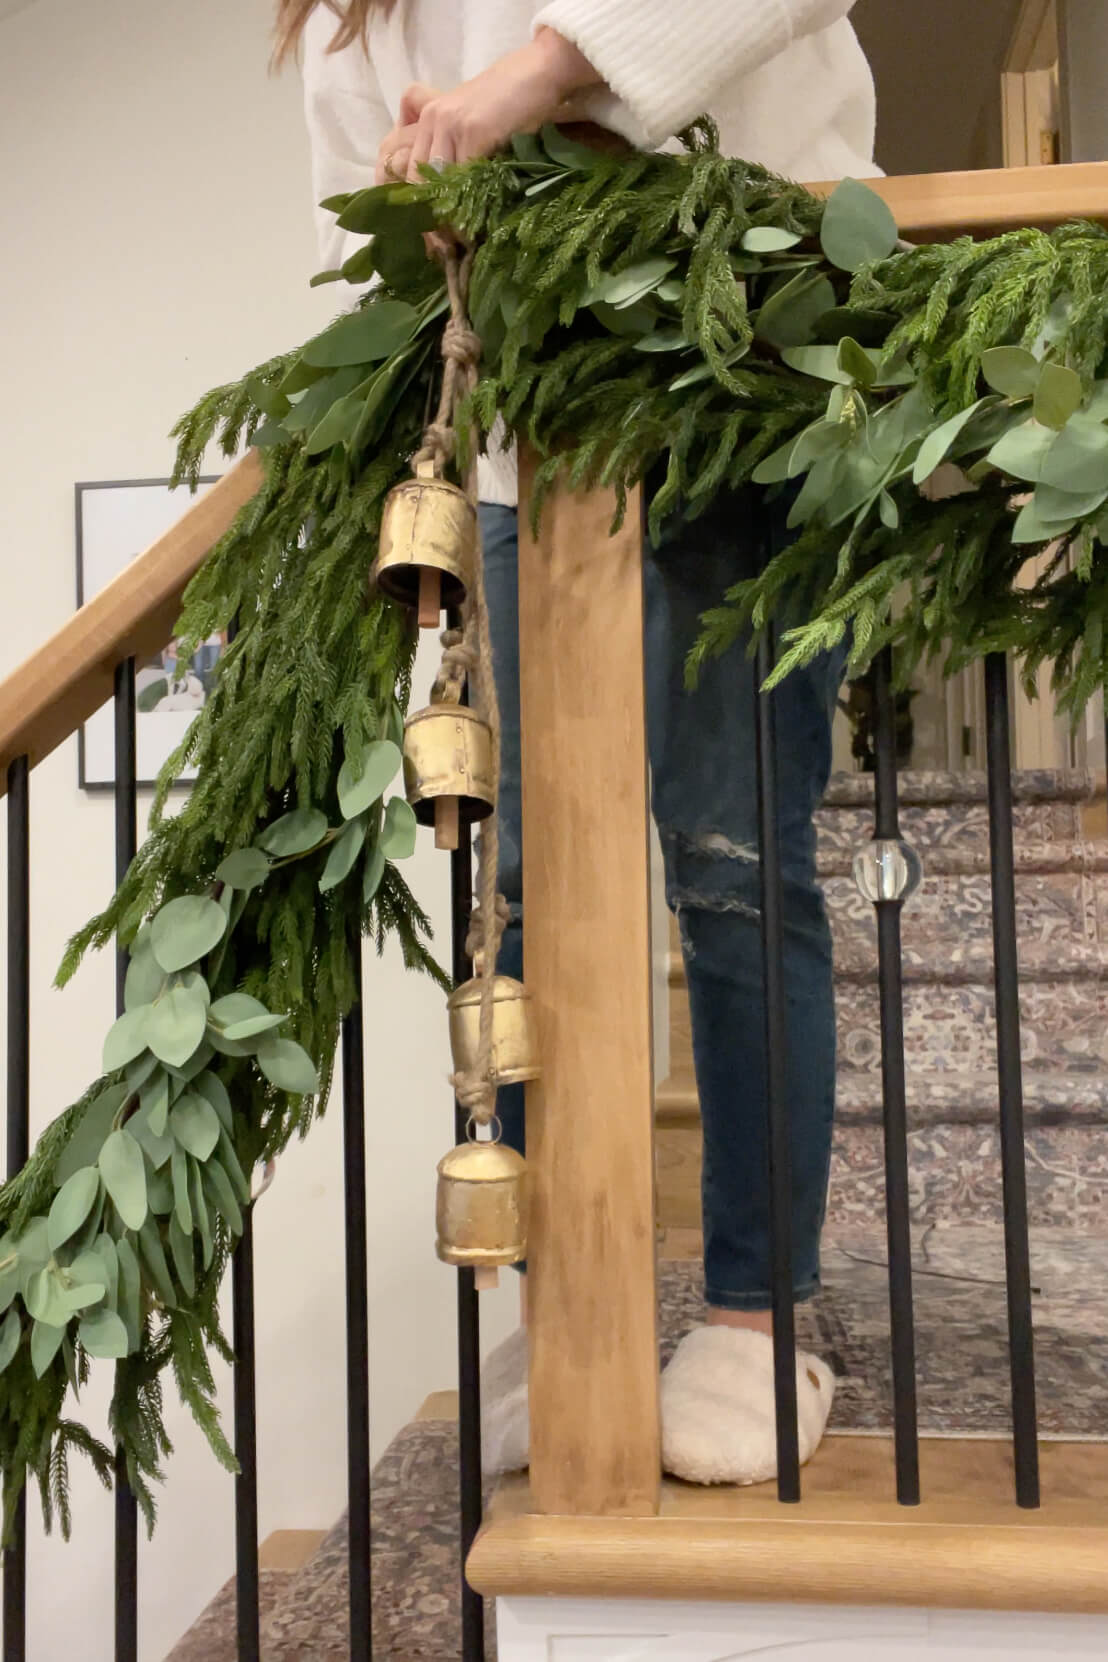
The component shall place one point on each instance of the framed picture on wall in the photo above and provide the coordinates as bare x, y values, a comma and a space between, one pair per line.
116, 520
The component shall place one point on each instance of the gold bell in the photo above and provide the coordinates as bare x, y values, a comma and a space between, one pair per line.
448, 773
514, 1051
427, 545
481, 1206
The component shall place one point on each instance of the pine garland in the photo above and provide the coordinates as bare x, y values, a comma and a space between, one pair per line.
690, 318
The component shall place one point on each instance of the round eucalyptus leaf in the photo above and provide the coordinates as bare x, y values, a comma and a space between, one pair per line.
789, 315
1078, 458
154, 1100
104, 1335
822, 362
156, 1145
858, 226
399, 831
374, 871
769, 239
126, 1038
44, 1299
159, 1190
936, 446
1011, 370
184, 1258
10, 1334
341, 860
856, 362
145, 976
246, 868
294, 833
79, 1297
1061, 506
252, 1026
1057, 396
212, 1088
179, 1173
624, 288
194, 982
186, 930
72, 1205
130, 1290
236, 1007
124, 1172
288, 1066
364, 779
1022, 452
195, 1126
175, 1025
46, 1341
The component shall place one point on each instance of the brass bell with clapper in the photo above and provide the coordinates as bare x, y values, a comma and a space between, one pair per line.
481, 1205
448, 769
514, 1056
426, 546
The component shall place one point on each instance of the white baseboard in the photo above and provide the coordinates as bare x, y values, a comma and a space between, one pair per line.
597, 1630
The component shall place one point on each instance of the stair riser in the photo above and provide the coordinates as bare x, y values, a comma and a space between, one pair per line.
955, 1177
951, 826
951, 1028
1061, 922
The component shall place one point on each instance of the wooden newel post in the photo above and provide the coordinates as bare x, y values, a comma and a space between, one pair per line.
595, 1442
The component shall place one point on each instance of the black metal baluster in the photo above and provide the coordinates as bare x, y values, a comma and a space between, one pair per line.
357, 1329
248, 1619
892, 882
1010, 1078
126, 844
780, 1160
469, 1329
19, 1129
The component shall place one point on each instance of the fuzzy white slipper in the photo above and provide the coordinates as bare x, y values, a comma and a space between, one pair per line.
717, 1406
505, 1418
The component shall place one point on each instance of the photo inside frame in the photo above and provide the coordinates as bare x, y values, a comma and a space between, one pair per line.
117, 521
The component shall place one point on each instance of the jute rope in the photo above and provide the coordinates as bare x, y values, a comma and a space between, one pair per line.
467, 655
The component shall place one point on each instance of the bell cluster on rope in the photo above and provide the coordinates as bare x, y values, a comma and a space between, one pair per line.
430, 559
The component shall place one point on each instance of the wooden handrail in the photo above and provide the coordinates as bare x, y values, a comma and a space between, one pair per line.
944, 205
66, 680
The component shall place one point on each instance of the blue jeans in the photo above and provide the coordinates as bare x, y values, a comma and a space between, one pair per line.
705, 805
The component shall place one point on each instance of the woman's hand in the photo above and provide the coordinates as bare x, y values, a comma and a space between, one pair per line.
395, 154
515, 95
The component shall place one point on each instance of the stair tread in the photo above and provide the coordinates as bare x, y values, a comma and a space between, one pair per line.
952, 1097
932, 787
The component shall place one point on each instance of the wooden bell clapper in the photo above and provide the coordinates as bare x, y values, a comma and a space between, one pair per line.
430, 556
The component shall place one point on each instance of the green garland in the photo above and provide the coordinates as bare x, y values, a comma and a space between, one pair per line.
687, 314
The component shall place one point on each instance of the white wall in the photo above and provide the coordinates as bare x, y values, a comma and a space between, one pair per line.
157, 239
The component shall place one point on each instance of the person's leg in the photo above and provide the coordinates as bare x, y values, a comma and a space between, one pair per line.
702, 747
501, 545
504, 1417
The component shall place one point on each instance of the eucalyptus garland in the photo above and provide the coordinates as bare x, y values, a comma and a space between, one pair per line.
686, 317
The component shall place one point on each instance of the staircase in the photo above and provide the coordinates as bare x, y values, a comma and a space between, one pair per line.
1062, 906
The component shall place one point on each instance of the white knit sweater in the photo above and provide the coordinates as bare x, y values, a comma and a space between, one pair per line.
785, 79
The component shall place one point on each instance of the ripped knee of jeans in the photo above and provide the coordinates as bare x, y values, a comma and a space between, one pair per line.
711, 872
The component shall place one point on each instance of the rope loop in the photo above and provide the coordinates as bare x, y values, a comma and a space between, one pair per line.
467, 658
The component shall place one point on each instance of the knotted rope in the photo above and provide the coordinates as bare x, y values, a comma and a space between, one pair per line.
467, 655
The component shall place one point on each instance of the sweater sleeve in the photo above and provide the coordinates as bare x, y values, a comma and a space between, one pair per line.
347, 118
665, 74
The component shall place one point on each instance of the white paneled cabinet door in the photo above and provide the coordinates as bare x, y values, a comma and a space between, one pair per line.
595, 1630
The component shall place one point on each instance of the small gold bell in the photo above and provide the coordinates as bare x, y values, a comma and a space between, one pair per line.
426, 548
514, 1051
448, 773
481, 1206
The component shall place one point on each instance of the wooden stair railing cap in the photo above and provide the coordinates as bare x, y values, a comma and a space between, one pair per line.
58, 687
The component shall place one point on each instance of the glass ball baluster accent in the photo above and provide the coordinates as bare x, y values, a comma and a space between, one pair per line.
887, 869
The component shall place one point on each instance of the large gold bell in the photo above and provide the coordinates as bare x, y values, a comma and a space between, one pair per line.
481, 1207
514, 1051
427, 544
448, 773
